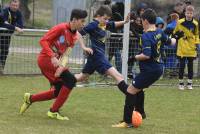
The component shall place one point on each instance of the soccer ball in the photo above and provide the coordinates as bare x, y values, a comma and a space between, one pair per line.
136, 119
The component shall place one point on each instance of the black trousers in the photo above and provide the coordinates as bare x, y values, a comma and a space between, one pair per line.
183, 61
5, 37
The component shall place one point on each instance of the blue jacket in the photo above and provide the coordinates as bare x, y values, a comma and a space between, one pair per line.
13, 18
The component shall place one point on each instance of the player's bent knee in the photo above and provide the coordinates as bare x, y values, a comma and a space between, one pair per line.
132, 90
68, 79
57, 87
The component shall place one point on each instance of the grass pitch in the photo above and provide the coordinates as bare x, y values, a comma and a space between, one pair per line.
92, 110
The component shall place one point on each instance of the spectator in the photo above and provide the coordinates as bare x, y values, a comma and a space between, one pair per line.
160, 23
115, 41
187, 45
171, 63
141, 7
12, 19
107, 2
3, 24
136, 29
179, 9
187, 2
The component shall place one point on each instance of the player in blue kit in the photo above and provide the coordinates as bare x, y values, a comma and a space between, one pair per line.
150, 67
97, 61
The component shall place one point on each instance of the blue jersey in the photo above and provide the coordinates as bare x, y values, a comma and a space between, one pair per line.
97, 61
151, 45
97, 33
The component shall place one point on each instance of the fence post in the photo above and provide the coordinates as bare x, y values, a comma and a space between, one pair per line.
127, 5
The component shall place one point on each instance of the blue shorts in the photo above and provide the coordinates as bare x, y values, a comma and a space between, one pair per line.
97, 63
145, 79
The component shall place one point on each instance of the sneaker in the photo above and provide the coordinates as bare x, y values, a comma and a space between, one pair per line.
56, 115
122, 124
181, 87
26, 103
189, 86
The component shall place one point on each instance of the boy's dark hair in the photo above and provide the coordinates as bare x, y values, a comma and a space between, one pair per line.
150, 15
107, 2
78, 14
188, 2
103, 10
15, 1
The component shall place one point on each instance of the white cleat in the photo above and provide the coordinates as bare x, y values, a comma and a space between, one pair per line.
189, 87
181, 87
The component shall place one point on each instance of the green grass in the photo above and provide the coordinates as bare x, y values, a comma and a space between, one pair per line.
93, 110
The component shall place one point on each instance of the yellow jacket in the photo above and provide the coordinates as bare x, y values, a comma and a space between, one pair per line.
187, 45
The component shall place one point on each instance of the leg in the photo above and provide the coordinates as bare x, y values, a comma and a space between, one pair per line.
190, 67
142, 80
43, 96
140, 104
122, 85
181, 73
130, 102
190, 72
115, 74
5, 43
69, 82
135, 93
81, 77
118, 60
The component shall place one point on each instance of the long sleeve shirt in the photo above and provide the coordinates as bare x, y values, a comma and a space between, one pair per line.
57, 40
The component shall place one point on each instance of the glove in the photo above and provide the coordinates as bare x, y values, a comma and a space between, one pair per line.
178, 35
131, 59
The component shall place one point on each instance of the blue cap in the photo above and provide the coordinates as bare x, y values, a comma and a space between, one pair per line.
159, 20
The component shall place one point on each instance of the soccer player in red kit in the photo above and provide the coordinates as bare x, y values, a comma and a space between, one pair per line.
52, 60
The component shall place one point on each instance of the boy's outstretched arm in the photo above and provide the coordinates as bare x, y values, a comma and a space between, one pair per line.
121, 23
82, 44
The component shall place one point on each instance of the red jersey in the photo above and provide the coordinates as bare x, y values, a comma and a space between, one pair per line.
54, 43
57, 40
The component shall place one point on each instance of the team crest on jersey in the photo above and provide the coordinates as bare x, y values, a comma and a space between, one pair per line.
62, 39
102, 26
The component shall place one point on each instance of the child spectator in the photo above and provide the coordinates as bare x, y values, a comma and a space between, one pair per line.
187, 45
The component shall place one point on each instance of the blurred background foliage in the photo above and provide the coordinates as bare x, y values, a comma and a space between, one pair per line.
38, 13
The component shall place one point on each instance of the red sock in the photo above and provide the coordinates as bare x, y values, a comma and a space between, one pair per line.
60, 100
47, 95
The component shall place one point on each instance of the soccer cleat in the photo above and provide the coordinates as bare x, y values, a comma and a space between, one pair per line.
122, 125
144, 115
56, 115
26, 103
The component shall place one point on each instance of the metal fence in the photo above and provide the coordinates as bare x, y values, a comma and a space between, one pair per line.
168, 56
23, 49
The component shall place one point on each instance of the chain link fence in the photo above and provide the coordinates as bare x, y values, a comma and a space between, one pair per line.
19, 57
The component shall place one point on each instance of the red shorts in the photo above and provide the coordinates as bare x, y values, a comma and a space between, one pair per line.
47, 69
